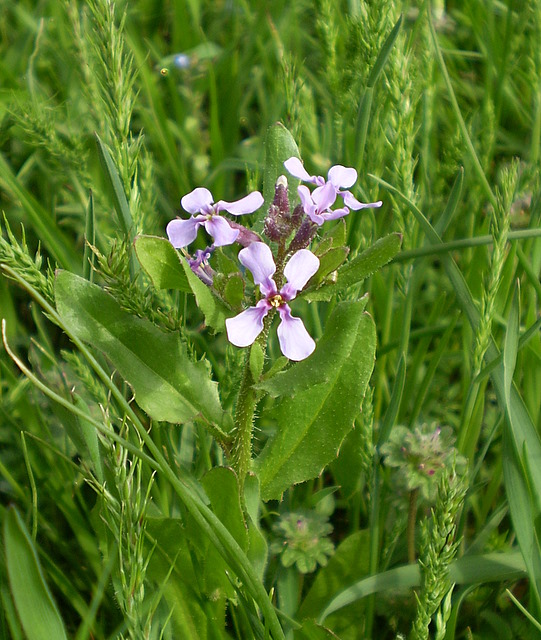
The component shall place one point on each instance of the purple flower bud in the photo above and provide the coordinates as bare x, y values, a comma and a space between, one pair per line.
297, 216
199, 264
281, 200
272, 229
303, 236
246, 236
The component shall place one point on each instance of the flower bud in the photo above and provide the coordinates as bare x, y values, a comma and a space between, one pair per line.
297, 216
281, 200
303, 236
272, 229
246, 236
199, 264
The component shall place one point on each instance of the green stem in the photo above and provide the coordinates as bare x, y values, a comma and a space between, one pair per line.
247, 398
244, 422
412, 518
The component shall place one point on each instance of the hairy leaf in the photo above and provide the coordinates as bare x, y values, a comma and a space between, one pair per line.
358, 269
162, 263
324, 396
167, 384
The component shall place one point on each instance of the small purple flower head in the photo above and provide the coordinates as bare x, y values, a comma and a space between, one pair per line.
199, 264
200, 201
338, 176
243, 329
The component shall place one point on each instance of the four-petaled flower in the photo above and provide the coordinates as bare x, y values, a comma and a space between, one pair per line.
317, 205
243, 329
200, 201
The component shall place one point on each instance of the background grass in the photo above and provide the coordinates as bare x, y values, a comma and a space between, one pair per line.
442, 119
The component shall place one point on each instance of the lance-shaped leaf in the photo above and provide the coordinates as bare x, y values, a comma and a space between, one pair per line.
358, 269
321, 365
37, 610
327, 390
279, 146
166, 383
161, 262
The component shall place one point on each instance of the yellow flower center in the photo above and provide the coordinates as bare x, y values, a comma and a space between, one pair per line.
276, 301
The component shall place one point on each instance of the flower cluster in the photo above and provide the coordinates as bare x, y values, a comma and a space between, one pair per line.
301, 539
421, 456
291, 231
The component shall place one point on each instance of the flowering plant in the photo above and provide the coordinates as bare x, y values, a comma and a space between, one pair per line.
290, 257
290, 254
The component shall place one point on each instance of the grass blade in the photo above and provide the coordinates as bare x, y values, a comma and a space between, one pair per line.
37, 610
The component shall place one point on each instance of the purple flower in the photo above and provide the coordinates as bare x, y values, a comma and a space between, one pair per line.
338, 176
317, 204
243, 329
199, 264
182, 232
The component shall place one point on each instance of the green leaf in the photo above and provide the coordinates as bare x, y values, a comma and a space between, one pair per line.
89, 257
234, 290
492, 567
83, 435
167, 384
510, 347
329, 262
222, 488
324, 396
391, 413
37, 610
162, 263
171, 566
310, 630
213, 309
358, 269
279, 146
43, 223
348, 562
338, 233
257, 549
113, 180
321, 365
257, 360
452, 204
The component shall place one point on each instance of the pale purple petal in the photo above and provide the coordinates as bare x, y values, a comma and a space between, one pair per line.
336, 213
306, 199
199, 199
248, 204
295, 341
296, 168
243, 329
257, 257
342, 176
182, 232
300, 268
316, 218
324, 196
353, 203
220, 230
